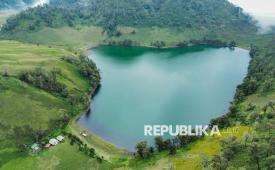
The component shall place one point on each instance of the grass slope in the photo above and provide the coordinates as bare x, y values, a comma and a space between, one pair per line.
22, 104
91, 36
16, 57
61, 157
80, 38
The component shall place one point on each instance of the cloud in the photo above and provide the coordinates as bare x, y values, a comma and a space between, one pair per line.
261, 10
257, 7
40, 2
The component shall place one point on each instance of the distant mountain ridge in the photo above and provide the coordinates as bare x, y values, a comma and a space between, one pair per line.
212, 15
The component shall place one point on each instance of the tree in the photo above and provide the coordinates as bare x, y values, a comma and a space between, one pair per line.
257, 152
219, 162
270, 162
232, 44
245, 139
39, 135
254, 51
159, 143
205, 162
151, 150
143, 150
92, 152
222, 121
267, 86
172, 148
229, 147
167, 143
271, 105
251, 107
43, 79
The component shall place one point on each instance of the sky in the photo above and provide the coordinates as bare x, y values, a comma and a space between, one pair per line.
40, 2
261, 10
257, 7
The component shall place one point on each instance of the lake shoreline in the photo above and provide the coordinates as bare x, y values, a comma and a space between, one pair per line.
89, 52
76, 126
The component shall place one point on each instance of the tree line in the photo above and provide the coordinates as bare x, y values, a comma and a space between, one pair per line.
46, 80
145, 151
84, 147
87, 68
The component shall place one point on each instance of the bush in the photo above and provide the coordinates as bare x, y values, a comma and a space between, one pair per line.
45, 80
87, 68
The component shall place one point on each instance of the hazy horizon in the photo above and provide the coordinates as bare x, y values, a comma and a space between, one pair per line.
263, 11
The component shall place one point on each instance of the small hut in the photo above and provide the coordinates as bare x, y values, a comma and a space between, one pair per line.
60, 138
53, 141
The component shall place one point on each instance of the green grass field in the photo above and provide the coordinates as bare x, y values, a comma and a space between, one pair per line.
63, 157
83, 37
16, 57
80, 38
22, 104
67, 37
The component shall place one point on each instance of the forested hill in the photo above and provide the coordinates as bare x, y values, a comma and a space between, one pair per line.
7, 4
214, 15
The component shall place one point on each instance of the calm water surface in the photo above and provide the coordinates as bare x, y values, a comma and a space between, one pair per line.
172, 86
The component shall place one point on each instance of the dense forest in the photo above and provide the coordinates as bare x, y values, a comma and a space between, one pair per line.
215, 15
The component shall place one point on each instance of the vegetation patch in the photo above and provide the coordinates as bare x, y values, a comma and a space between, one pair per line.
39, 94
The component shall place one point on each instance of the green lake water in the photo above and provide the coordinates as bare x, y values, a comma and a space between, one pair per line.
142, 86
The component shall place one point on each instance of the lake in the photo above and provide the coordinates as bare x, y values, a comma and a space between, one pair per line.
143, 86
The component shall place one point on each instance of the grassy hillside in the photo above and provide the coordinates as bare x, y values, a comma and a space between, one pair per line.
63, 157
83, 37
23, 104
65, 37
17, 57
29, 113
